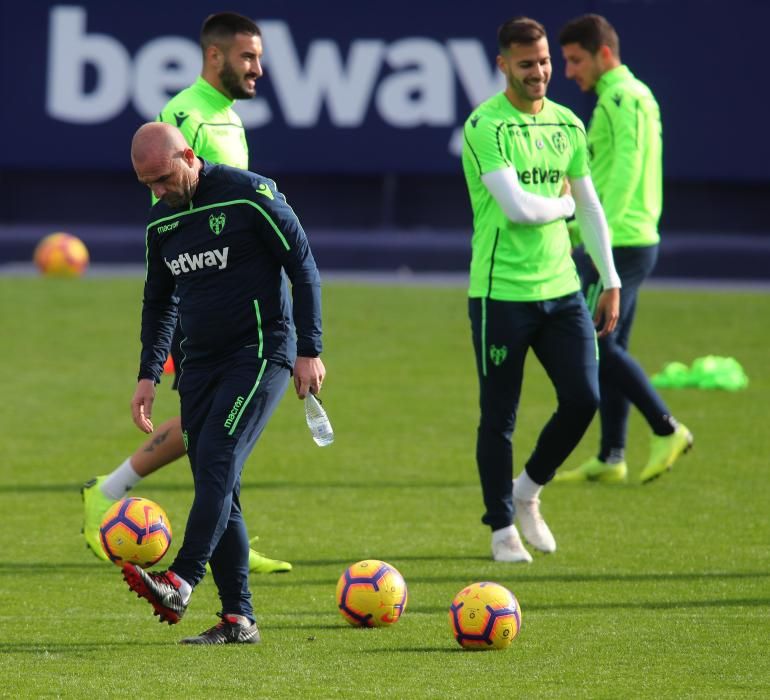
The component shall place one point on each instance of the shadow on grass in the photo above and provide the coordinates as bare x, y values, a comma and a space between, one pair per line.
262, 486
74, 647
609, 577
626, 605
266, 627
394, 559
415, 650
48, 567
540, 607
297, 578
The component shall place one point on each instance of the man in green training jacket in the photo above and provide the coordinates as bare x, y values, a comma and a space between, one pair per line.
232, 49
624, 138
525, 160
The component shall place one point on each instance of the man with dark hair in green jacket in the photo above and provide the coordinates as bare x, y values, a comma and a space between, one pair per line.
624, 140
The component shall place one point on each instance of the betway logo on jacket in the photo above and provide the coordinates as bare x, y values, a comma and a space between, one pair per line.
189, 263
538, 176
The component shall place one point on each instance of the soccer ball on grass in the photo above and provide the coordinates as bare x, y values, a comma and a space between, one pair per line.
135, 530
371, 593
485, 615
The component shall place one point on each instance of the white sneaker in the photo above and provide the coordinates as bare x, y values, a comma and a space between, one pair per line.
507, 546
533, 527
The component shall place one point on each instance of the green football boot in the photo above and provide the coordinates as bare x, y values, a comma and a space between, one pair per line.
95, 505
664, 451
260, 564
595, 470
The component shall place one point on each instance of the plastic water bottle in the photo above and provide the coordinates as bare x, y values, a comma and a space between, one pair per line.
318, 421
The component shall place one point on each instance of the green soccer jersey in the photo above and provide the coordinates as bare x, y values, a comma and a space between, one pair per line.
209, 124
624, 138
512, 261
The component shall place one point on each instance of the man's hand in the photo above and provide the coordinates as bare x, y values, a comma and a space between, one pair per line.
141, 405
607, 311
566, 195
309, 373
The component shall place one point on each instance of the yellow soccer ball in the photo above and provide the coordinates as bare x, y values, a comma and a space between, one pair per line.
61, 255
485, 615
371, 593
135, 530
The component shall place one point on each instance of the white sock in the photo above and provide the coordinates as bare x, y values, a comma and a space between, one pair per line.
524, 489
503, 533
120, 481
185, 589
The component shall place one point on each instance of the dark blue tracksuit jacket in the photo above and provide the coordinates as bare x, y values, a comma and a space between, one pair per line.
219, 262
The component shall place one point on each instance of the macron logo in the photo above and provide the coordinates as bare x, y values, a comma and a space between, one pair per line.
168, 227
189, 263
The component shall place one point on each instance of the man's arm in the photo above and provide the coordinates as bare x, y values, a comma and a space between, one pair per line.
498, 175
286, 237
594, 230
159, 312
309, 370
596, 237
523, 207
623, 122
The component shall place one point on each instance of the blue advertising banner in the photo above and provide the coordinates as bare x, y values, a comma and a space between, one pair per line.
356, 87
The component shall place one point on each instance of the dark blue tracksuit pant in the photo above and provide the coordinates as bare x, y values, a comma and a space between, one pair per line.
622, 381
224, 410
561, 334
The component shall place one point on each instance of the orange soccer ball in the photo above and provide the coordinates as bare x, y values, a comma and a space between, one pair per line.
61, 255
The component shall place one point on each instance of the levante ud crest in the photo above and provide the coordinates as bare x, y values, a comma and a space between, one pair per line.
217, 223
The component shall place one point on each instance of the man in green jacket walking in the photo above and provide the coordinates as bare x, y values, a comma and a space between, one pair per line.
624, 140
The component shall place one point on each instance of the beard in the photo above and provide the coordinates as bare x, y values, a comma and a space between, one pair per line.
525, 89
231, 81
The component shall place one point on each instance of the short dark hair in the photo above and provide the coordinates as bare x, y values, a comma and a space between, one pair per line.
519, 30
221, 27
591, 32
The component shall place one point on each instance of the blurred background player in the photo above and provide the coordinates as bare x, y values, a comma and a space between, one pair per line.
232, 48
522, 157
625, 144
245, 334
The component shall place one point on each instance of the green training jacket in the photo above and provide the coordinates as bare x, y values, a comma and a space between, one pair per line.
209, 124
625, 145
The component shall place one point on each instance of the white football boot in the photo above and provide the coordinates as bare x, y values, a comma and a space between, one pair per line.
533, 527
507, 546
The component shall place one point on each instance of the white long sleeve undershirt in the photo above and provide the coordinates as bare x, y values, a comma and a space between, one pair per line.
523, 207
594, 230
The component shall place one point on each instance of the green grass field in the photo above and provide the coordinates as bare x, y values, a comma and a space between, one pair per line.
655, 591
